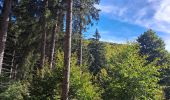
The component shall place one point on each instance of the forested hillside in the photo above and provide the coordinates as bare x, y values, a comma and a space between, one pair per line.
45, 56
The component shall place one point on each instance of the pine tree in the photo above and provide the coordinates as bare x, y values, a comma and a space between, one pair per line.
67, 51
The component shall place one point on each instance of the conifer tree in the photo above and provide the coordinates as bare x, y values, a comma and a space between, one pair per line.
80, 51
44, 34
67, 51
97, 52
85, 14
151, 45
4, 28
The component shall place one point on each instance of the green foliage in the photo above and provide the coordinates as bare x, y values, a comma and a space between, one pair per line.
129, 78
44, 85
16, 91
109, 71
152, 45
97, 59
167, 92
81, 87
47, 84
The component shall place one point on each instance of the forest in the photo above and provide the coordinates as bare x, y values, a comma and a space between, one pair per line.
45, 56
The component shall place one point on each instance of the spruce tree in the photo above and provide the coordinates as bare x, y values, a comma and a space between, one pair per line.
97, 52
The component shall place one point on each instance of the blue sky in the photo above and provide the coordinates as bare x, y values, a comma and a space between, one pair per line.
124, 20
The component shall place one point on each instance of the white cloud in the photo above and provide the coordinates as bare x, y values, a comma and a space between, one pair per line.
114, 40
167, 44
153, 14
163, 12
166, 40
106, 9
151, 1
141, 13
109, 37
111, 9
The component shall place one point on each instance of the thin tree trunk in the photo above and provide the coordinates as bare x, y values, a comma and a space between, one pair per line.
80, 46
43, 53
61, 18
67, 51
43, 47
52, 49
15, 72
12, 66
4, 28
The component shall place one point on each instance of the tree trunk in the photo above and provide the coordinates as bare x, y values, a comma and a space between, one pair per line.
80, 46
43, 53
52, 49
3, 28
12, 66
67, 51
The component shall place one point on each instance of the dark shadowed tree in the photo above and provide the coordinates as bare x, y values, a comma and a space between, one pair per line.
97, 52
154, 48
44, 34
151, 45
3, 28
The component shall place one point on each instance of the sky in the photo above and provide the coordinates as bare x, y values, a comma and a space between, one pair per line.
124, 20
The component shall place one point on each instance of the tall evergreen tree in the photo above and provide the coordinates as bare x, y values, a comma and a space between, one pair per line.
44, 34
67, 51
85, 13
97, 52
52, 48
56, 9
3, 28
53, 38
80, 50
97, 35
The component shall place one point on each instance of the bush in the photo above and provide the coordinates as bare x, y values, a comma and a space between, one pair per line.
81, 87
130, 78
15, 91
47, 84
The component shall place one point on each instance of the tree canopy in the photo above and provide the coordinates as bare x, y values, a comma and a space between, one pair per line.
45, 56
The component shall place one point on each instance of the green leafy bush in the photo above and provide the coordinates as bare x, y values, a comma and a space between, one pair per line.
15, 91
130, 78
81, 87
46, 84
